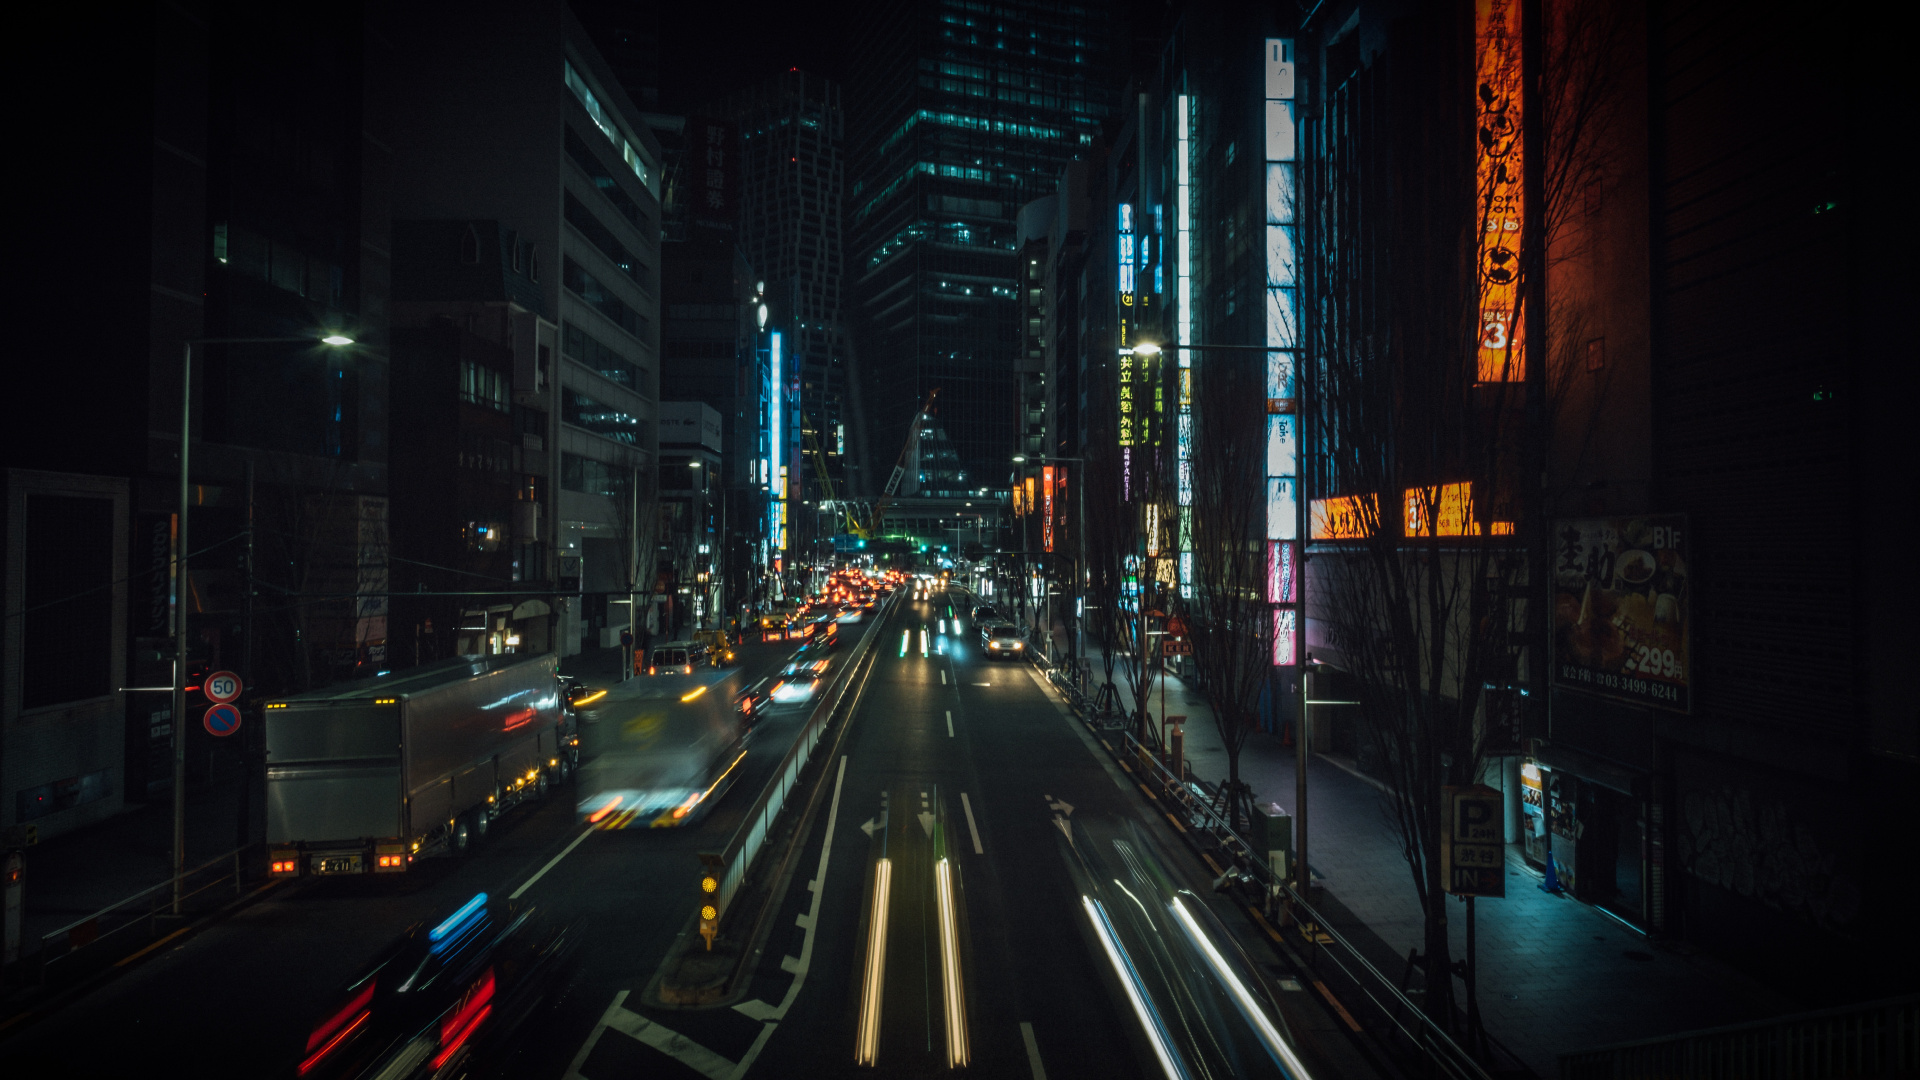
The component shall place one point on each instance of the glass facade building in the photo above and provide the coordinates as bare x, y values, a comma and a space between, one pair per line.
970, 111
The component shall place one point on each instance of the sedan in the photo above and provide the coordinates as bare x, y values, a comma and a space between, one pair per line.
1003, 642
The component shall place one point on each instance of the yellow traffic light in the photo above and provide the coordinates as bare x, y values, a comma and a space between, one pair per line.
709, 912
709, 885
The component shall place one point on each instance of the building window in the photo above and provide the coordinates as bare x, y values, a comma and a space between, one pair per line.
592, 477
604, 121
586, 349
589, 289
589, 163
602, 237
480, 385
601, 418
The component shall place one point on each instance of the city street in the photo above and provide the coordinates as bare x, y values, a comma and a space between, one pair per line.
950, 757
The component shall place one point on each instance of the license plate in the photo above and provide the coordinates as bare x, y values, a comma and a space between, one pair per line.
338, 864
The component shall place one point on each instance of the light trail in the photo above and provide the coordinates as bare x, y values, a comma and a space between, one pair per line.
1130, 980
1277, 1048
867, 1042
957, 1051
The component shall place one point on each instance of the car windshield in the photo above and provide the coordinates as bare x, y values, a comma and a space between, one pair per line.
1004, 631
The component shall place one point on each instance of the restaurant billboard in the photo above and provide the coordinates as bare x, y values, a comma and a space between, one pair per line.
1621, 601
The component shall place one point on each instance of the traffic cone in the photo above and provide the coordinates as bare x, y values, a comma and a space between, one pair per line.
1551, 884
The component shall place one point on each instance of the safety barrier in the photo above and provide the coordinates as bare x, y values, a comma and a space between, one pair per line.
89, 935
751, 835
1877, 1038
1409, 1021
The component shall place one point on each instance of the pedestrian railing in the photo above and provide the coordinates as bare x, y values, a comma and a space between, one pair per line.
203, 887
1878, 1038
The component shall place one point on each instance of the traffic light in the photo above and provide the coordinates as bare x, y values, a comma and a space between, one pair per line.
710, 873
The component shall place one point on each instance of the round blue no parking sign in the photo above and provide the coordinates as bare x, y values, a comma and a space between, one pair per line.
223, 719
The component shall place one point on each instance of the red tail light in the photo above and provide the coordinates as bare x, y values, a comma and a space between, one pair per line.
466, 1018
337, 1028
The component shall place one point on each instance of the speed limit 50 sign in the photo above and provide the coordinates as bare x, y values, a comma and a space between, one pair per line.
222, 687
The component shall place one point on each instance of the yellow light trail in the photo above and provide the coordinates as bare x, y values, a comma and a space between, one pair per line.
957, 1050
867, 1044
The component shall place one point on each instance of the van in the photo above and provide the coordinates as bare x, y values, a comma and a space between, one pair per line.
678, 658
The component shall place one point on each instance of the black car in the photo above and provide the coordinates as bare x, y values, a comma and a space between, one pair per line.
984, 613
443, 999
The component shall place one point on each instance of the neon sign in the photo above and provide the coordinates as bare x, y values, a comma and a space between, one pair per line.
1498, 172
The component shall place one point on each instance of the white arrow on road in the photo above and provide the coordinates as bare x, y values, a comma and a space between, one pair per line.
926, 822
1059, 806
869, 825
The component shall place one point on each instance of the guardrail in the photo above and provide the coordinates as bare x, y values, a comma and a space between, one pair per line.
1878, 1038
1446, 1057
86, 934
751, 835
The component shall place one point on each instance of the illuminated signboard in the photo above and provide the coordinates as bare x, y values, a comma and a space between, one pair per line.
1345, 517
1502, 352
1282, 339
1046, 501
1446, 510
1183, 333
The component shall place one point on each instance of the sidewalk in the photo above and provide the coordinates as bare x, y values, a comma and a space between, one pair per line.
1555, 974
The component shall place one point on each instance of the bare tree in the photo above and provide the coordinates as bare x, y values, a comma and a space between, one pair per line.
1228, 617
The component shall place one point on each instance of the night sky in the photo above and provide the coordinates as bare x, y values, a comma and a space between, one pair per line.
709, 50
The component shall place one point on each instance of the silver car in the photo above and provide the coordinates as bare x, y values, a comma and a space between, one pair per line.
1003, 642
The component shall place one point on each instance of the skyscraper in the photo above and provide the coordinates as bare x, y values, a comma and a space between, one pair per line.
967, 111
791, 182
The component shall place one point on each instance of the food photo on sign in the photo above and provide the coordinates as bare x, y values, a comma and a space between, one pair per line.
1620, 608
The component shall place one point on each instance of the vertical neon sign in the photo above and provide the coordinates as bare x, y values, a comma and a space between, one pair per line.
1183, 333
1283, 342
1502, 351
777, 471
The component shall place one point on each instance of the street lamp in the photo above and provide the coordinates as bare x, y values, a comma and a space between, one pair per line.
180, 591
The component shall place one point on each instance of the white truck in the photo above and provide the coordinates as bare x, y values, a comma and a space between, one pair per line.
367, 776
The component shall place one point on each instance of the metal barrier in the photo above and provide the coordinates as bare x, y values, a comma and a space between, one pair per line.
1407, 1018
140, 909
751, 835
1878, 1038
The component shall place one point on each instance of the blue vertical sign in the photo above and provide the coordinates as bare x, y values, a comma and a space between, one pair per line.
1283, 345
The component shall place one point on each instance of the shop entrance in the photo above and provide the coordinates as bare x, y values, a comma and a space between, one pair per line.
1613, 851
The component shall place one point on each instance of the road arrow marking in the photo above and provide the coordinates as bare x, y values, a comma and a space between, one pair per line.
868, 826
926, 822
1060, 806
1066, 827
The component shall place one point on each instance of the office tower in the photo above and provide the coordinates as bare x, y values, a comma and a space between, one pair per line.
790, 186
963, 113
509, 114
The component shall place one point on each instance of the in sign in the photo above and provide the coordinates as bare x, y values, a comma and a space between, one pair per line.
222, 687
222, 719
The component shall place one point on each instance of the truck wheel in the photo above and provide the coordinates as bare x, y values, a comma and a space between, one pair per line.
540, 787
460, 835
482, 821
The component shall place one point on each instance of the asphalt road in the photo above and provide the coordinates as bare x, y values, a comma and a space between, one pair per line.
952, 757
239, 998
962, 802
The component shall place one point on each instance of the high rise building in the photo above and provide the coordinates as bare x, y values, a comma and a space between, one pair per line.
966, 112
510, 114
790, 184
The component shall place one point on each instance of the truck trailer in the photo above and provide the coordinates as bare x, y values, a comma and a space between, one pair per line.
367, 776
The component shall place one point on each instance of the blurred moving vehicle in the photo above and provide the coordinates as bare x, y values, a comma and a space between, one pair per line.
984, 613
679, 658
366, 776
446, 1000
753, 701
799, 682
674, 752
719, 649
1003, 642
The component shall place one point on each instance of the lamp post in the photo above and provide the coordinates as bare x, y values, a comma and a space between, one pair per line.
180, 583
1302, 523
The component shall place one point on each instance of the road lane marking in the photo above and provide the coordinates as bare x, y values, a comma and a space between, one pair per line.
671, 1043
1033, 1052
967, 805
1262, 920
1176, 823
586, 1048
949, 723
943, 678
551, 863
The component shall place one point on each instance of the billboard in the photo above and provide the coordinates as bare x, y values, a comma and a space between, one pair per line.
1621, 609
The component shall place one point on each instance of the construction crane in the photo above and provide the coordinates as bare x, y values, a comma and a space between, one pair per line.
900, 466
826, 481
